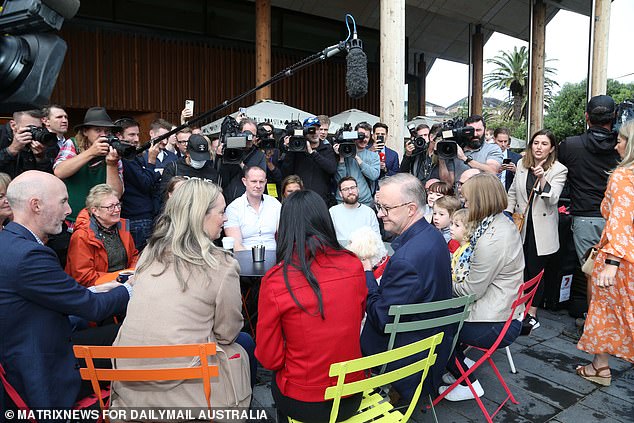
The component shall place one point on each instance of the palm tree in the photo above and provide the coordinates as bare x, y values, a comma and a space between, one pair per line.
512, 74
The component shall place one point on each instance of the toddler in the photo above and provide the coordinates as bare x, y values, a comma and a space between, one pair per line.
444, 207
434, 192
460, 230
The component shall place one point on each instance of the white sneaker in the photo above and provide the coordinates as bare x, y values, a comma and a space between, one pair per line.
462, 392
449, 379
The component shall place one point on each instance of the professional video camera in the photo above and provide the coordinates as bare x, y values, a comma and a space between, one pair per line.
297, 134
454, 133
346, 138
267, 138
234, 142
42, 135
123, 149
419, 142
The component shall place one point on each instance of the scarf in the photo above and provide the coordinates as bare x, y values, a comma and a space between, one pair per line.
461, 270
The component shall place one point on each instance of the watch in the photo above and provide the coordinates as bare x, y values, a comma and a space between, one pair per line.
467, 160
613, 262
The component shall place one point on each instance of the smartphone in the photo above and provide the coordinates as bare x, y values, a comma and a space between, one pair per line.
189, 104
506, 161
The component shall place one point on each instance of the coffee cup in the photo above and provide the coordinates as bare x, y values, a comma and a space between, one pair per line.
124, 275
228, 243
257, 251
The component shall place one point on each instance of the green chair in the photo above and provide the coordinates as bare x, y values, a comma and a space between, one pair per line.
457, 310
374, 407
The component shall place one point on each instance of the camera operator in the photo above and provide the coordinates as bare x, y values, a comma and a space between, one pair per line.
141, 185
87, 159
477, 154
272, 155
316, 165
231, 174
388, 158
425, 164
19, 152
364, 167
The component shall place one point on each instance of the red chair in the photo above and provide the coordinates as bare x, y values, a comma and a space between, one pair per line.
525, 296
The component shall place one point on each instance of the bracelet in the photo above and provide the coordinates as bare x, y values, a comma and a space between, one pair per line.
613, 262
467, 160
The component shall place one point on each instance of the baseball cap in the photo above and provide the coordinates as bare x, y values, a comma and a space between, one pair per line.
311, 121
198, 147
600, 105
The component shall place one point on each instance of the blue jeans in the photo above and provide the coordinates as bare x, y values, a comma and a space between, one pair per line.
141, 230
482, 335
246, 342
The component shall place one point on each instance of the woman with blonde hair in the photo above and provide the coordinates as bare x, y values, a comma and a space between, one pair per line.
494, 274
609, 327
101, 244
186, 291
539, 180
5, 209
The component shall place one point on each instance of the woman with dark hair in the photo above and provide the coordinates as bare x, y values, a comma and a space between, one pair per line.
540, 171
310, 310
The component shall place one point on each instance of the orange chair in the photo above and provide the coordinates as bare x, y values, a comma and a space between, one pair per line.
204, 371
525, 296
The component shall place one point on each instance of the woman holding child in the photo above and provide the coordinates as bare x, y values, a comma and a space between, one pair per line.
535, 191
494, 273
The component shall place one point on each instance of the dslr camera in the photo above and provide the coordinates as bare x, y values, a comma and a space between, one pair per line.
234, 142
42, 135
454, 133
124, 150
346, 139
419, 142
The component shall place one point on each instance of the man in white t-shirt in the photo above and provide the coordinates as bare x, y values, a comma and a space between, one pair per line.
253, 217
351, 215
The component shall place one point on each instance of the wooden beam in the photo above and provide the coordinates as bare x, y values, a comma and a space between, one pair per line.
537, 67
477, 44
422, 82
600, 34
262, 47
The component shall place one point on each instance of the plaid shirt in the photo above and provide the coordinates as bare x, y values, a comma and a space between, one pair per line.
68, 151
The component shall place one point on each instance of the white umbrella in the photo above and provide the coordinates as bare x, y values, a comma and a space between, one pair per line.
352, 116
274, 112
517, 143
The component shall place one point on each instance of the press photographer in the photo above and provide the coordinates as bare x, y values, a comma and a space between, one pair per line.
475, 153
269, 145
362, 164
315, 164
420, 157
28, 146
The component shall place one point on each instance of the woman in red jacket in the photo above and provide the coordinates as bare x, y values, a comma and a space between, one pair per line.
101, 244
309, 313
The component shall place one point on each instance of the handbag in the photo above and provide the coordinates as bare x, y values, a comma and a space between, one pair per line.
520, 218
590, 255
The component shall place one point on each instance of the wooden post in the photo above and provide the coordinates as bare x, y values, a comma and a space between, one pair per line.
600, 33
537, 56
262, 47
393, 70
422, 81
477, 43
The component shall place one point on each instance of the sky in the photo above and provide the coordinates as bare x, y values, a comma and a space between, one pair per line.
567, 37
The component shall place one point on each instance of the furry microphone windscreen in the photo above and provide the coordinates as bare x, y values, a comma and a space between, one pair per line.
356, 73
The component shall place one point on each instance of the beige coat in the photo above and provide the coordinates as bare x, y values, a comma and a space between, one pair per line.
544, 212
159, 312
496, 272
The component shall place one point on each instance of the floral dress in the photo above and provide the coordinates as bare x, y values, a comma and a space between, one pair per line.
609, 327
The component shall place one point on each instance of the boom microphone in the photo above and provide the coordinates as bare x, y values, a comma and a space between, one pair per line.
356, 69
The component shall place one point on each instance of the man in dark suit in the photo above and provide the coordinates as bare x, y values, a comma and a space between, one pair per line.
502, 137
418, 272
36, 297
389, 158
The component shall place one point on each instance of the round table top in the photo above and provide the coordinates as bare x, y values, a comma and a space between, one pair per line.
250, 268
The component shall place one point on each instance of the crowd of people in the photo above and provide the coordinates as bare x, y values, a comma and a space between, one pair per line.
161, 214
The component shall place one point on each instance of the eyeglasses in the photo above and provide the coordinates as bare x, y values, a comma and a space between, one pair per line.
386, 209
182, 142
112, 207
352, 188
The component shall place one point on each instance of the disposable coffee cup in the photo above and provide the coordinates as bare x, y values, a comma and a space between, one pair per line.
124, 276
257, 251
228, 243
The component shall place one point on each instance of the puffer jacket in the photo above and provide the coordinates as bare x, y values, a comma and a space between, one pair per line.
87, 257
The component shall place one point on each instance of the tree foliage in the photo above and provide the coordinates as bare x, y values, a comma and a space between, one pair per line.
566, 114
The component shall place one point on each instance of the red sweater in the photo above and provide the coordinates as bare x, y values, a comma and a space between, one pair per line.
301, 346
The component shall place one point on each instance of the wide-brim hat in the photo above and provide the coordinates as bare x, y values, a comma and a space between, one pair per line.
97, 116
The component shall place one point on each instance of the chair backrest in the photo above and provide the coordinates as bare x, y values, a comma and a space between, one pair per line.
340, 370
456, 310
204, 371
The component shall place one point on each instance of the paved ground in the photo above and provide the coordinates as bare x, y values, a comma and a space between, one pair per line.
545, 386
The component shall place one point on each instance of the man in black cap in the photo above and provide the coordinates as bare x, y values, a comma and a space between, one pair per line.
589, 157
197, 163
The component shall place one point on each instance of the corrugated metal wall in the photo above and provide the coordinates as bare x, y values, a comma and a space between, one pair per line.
145, 74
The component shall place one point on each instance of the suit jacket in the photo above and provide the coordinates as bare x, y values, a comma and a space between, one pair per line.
36, 297
391, 162
544, 211
510, 175
418, 272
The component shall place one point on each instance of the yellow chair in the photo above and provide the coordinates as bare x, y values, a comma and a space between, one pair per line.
374, 407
